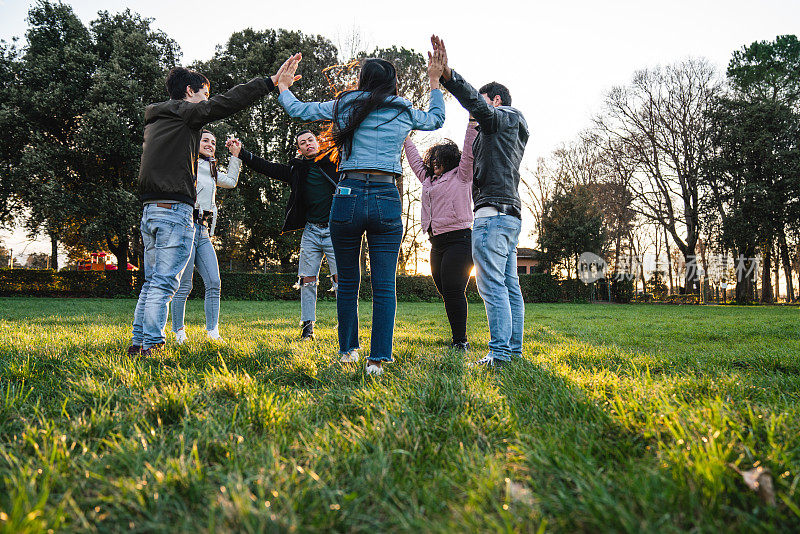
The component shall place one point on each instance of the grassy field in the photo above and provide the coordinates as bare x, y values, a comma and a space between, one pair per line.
619, 418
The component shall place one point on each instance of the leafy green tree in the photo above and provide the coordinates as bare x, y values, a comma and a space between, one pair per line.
572, 223
753, 179
54, 79
15, 133
132, 62
768, 70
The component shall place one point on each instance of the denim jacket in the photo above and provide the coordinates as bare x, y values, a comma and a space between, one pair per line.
378, 141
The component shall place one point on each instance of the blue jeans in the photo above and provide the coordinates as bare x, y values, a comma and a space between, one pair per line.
315, 242
494, 250
167, 234
373, 208
204, 258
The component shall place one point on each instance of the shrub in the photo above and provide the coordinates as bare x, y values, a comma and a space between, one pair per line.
536, 287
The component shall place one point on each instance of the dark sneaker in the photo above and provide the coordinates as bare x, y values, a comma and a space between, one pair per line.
489, 362
153, 350
460, 345
134, 350
308, 330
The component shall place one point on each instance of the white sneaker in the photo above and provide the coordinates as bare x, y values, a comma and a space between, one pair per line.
375, 370
349, 357
181, 337
214, 334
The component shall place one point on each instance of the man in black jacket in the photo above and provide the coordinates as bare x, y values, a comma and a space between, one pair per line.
167, 178
311, 179
498, 149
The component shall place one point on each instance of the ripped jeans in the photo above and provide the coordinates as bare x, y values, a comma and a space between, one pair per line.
316, 241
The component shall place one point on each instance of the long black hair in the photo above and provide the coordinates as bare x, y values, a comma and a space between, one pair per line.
378, 81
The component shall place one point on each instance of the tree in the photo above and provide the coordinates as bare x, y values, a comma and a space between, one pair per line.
54, 79
572, 224
15, 133
661, 121
132, 62
770, 72
752, 178
37, 260
5, 257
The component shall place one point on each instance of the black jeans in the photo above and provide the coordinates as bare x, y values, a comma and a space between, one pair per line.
451, 263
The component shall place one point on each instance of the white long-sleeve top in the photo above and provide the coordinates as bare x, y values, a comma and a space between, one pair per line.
207, 187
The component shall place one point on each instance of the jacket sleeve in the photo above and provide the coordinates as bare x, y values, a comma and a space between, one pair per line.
307, 111
465, 166
220, 106
228, 180
489, 117
414, 159
433, 119
279, 171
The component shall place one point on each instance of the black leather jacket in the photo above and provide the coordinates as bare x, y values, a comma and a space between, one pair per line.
498, 148
293, 174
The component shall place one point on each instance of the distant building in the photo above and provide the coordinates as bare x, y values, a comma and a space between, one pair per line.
528, 260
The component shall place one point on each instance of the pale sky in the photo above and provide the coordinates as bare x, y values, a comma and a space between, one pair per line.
557, 58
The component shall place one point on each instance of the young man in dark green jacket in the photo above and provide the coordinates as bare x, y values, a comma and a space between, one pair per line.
167, 178
312, 181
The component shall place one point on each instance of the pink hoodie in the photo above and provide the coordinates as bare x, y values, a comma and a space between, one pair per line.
447, 200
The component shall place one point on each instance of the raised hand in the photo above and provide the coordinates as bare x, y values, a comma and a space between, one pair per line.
234, 145
435, 67
438, 46
282, 77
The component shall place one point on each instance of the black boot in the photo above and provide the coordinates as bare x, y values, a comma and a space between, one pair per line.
308, 330
463, 346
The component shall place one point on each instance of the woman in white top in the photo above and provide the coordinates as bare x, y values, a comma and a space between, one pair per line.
203, 255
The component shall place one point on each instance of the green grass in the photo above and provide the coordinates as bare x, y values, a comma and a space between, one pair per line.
619, 418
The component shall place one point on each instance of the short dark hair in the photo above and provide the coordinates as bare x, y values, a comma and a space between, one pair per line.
446, 154
301, 132
178, 78
492, 89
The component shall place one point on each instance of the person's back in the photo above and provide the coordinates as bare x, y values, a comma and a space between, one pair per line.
370, 127
498, 155
498, 152
378, 140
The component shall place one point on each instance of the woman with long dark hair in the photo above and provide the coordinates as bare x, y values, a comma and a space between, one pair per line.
370, 124
446, 177
203, 256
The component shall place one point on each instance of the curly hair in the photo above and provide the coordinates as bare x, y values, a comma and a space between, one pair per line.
446, 154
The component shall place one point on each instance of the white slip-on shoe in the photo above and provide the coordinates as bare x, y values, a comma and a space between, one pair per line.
214, 335
181, 337
349, 357
375, 370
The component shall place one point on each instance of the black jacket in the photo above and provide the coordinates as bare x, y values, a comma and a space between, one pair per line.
498, 148
172, 129
293, 174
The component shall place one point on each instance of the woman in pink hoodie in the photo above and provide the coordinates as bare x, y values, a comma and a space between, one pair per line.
446, 177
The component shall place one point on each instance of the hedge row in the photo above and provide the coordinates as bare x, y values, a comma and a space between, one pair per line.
536, 287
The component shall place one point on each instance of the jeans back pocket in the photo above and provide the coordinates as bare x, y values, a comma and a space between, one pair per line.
389, 209
343, 208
